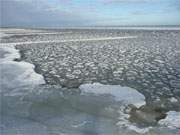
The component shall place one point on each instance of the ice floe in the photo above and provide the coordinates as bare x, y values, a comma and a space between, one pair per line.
122, 94
125, 95
10, 53
173, 100
15, 74
172, 120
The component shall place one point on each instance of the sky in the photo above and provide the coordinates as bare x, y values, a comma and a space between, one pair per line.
57, 13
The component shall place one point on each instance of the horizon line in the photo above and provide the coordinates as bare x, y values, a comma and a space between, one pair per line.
89, 26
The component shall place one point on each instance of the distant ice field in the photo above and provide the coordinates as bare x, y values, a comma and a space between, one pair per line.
71, 40
131, 28
81, 82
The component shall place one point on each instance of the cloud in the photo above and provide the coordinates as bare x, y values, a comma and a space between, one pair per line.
125, 1
37, 13
55, 13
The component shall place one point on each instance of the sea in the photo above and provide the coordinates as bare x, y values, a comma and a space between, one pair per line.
90, 81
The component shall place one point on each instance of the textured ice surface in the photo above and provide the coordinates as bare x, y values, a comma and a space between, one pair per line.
72, 40
125, 95
148, 63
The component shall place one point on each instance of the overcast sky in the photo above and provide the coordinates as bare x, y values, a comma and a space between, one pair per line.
55, 13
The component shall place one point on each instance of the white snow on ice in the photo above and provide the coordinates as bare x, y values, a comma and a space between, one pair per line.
123, 94
10, 53
172, 120
15, 74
